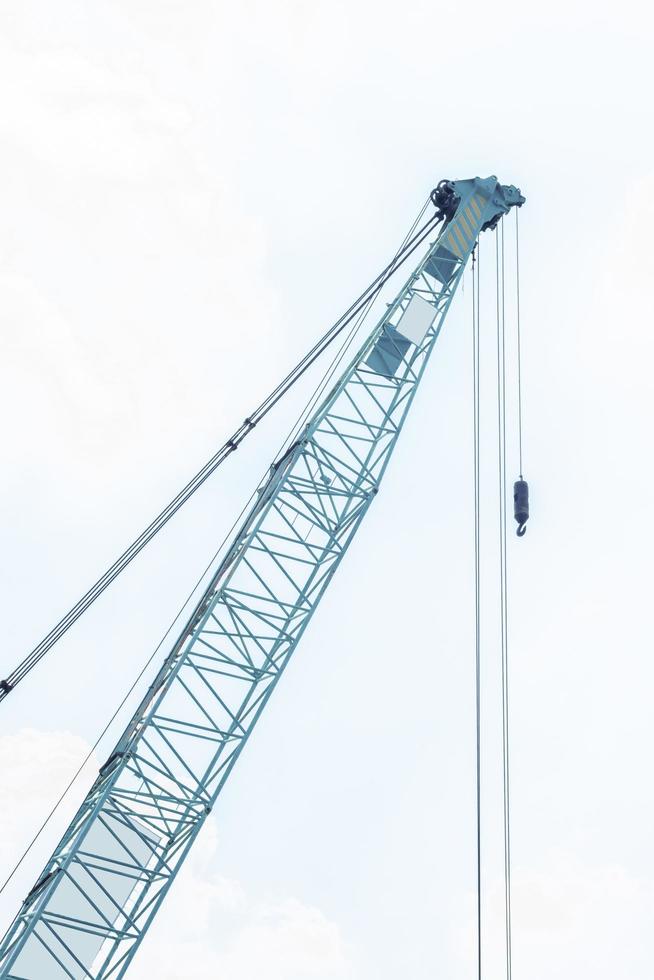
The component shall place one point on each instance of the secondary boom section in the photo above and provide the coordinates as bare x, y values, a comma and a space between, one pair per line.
91, 907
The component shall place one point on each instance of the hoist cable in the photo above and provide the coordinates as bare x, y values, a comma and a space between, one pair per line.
475, 426
517, 282
501, 458
318, 391
359, 306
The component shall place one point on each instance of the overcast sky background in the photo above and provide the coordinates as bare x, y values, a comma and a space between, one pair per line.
191, 193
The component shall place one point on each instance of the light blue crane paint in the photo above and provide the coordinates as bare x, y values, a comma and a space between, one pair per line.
95, 899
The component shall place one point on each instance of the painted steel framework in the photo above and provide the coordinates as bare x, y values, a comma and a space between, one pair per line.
90, 908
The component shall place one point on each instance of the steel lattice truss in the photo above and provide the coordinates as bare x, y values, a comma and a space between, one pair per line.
89, 910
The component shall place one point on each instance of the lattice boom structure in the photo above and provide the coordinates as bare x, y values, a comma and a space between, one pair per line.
90, 908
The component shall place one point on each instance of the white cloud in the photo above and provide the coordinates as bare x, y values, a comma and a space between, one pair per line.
65, 107
209, 925
169, 174
285, 940
35, 767
570, 919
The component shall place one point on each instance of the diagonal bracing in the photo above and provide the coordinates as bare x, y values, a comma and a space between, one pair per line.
90, 908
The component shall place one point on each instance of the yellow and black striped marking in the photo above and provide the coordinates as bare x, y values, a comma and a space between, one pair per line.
463, 231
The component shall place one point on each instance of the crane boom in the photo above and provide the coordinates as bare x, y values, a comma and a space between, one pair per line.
94, 901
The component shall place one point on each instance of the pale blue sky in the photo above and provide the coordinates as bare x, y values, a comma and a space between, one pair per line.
191, 194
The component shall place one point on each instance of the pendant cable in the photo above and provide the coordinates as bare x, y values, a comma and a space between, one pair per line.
292, 434
354, 314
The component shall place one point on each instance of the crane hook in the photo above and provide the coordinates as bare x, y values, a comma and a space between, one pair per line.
521, 505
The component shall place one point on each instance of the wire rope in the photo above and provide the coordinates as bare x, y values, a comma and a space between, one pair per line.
476, 482
501, 457
320, 387
519, 352
360, 306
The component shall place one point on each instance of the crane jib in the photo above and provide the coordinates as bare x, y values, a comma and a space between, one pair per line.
90, 908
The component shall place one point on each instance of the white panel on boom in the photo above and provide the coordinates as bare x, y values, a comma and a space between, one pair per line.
416, 319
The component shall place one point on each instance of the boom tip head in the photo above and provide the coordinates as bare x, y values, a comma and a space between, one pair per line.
496, 198
512, 195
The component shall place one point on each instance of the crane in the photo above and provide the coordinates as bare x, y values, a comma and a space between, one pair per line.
91, 906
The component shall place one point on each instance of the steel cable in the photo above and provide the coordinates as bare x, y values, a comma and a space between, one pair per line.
519, 351
89, 597
318, 391
501, 458
476, 419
